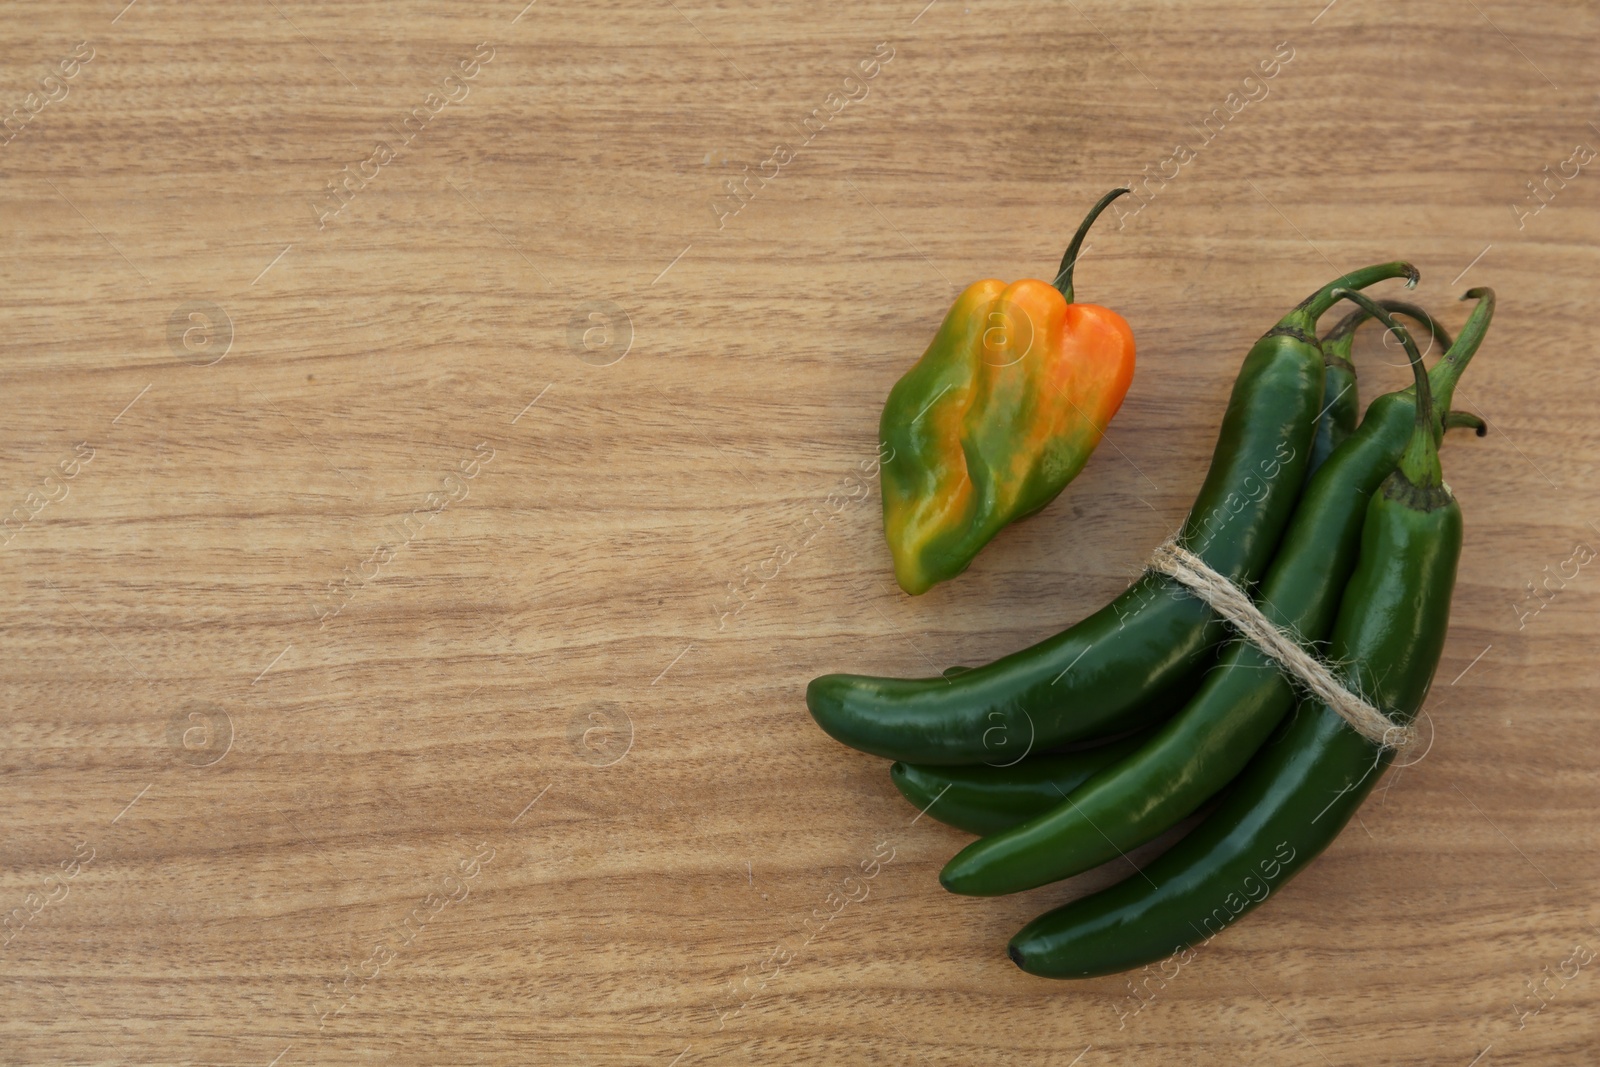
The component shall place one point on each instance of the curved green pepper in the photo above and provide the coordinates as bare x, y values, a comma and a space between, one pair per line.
1130, 663
988, 799
1309, 779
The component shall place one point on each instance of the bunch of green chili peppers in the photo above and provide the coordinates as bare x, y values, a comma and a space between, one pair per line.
1075, 751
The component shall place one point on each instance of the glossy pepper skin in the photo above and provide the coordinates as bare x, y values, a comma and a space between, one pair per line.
1196, 753
1341, 406
999, 414
988, 799
1137, 659
1309, 779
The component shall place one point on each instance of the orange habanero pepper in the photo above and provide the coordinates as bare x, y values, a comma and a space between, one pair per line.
999, 414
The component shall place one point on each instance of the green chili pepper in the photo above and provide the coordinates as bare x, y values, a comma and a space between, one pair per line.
1196, 754
1340, 400
988, 799
1307, 782
1134, 660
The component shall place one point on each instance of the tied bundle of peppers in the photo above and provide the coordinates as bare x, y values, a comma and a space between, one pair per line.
1346, 538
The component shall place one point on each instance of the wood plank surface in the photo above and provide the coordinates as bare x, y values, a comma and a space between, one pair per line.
402, 418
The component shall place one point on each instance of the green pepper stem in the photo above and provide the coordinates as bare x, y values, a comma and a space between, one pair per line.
1338, 342
1420, 463
1314, 305
1448, 370
1063, 280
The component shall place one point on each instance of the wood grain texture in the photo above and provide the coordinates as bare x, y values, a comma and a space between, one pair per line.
226, 783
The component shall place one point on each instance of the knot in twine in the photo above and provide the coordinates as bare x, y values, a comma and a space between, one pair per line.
1229, 601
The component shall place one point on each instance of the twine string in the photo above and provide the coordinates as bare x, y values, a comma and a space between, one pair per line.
1230, 602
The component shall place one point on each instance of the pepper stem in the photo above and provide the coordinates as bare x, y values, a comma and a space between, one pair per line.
1454, 420
1323, 299
1338, 342
1063, 280
1448, 370
1420, 463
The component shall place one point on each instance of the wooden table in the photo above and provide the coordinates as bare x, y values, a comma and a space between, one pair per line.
397, 394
